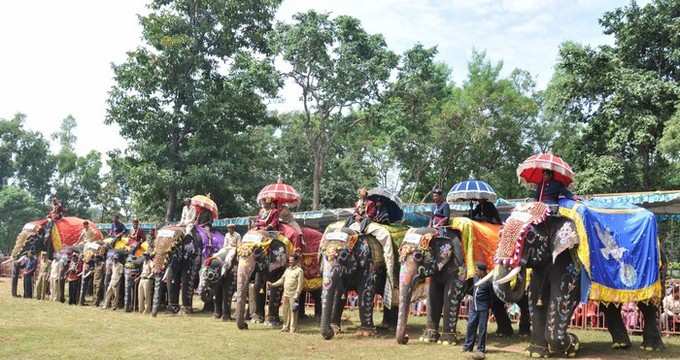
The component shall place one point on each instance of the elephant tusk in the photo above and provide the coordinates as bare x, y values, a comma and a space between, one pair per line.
485, 279
511, 275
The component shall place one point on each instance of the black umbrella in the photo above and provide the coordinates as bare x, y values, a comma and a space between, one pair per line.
390, 201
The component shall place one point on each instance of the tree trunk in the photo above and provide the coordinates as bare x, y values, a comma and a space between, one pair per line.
171, 205
318, 171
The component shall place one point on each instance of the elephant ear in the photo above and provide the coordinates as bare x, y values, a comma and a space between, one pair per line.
278, 255
442, 251
565, 238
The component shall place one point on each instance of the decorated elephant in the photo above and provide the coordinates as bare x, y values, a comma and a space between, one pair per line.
217, 281
354, 261
175, 261
579, 253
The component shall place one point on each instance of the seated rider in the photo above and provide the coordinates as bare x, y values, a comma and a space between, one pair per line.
268, 217
117, 228
57, 211
440, 212
550, 190
382, 216
188, 216
137, 236
485, 211
364, 210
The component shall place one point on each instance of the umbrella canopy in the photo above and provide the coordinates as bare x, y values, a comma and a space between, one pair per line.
281, 193
471, 190
531, 170
207, 203
390, 201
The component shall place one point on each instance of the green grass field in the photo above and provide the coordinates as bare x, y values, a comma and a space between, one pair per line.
31, 329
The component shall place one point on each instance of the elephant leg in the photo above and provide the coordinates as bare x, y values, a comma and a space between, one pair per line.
617, 329
229, 289
366, 296
316, 295
339, 304
155, 305
275, 297
217, 298
503, 322
435, 305
187, 286
173, 285
128, 291
453, 291
524, 317
651, 336
538, 297
564, 296
260, 298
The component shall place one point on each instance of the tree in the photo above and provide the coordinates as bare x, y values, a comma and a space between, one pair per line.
614, 102
338, 67
189, 99
18, 207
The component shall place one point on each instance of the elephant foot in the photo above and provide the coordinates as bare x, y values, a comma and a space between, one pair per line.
187, 310
430, 336
621, 345
173, 309
366, 331
448, 339
242, 326
535, 351
574, 346
217, 315
657, 346
274, 323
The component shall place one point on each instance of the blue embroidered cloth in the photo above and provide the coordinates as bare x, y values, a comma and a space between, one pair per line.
619, 251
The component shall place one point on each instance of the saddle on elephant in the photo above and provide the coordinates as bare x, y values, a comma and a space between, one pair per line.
66, 232
261, 239
479, 242
29, 230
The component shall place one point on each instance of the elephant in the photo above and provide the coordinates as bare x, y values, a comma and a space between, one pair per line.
175, 264
217, 281
554, 287
263, 255
350, 261
31, 238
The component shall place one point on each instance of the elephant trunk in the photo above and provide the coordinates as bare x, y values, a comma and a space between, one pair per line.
407, 279
158, 277
246, 266
329, 298
509, 291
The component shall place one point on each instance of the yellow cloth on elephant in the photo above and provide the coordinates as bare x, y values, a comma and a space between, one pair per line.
480, 240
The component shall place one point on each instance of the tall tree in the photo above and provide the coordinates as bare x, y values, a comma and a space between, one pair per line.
188, 100
338, 67
18, 207
614, 102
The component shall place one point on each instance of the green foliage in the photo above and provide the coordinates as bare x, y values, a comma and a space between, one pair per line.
338, 67
188, 101
17, 207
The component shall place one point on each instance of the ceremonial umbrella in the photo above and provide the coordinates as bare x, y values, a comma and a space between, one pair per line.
205, 202
390, 201
531, 170
471, 190
281, 193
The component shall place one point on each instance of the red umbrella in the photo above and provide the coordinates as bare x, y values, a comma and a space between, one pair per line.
531, 170
206, 202
281, 193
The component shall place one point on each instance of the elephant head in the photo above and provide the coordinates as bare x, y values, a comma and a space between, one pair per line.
422, 253
213, 269
530, 238
260, 251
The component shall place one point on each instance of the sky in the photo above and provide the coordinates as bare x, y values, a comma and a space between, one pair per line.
56, 56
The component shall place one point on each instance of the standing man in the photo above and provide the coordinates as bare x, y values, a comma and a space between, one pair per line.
43, 277
112, 297
292, 280
232, 239
73, 274
117, 228
55, 279
440, 212
478, 314
28, 265
99, 274
145, 287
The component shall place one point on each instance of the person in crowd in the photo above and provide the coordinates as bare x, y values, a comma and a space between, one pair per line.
478, 314
86, 234
28, 265
137, 236
42, 284
671, 308
99, 275
440, 212
112, 297
630, 315
292, 281
146, 283
232, 238
73, 276
485, 211
189, 216
550, 190
268, 217
118, 230
56, 270
364, 209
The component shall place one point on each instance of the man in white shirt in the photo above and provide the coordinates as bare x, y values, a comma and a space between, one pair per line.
232, 238
188, 216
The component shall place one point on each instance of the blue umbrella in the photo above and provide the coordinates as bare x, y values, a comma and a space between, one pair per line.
471, 190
